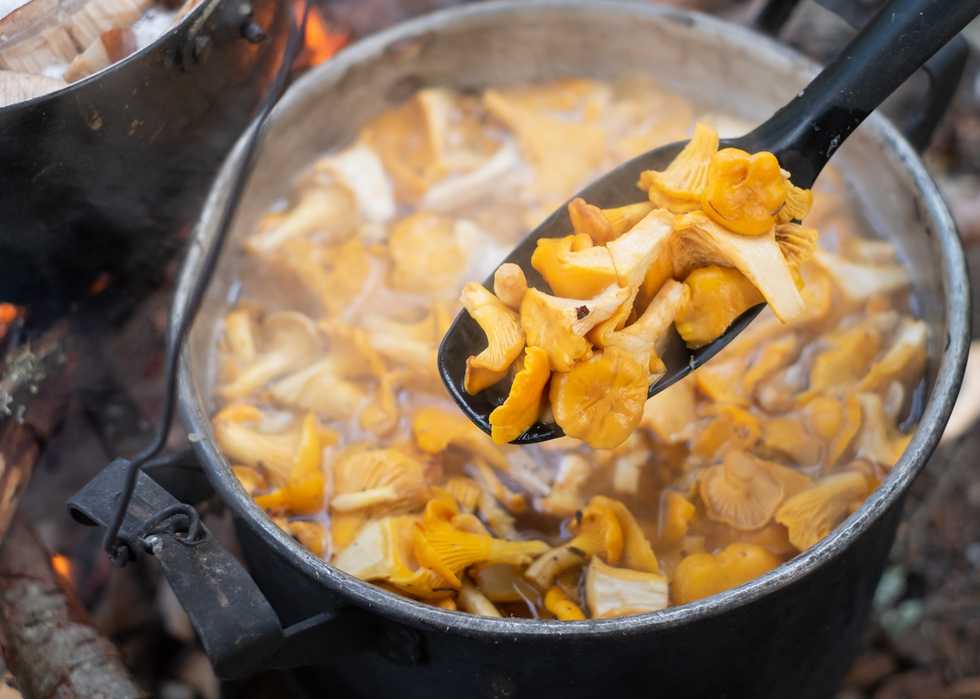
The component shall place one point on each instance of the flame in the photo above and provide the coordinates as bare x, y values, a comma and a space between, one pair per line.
8, 314
62, 566
321, 41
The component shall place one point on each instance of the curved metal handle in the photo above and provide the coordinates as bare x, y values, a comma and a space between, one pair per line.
944, 70
903, 36
239, 629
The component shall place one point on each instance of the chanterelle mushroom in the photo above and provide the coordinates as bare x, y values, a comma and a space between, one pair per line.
320, 388
379, 480
879, 440
744, 191
642, 337
303, 492
329, 210
859, 281
636, 250
289, 341
425, 254
600, 401
236, 429
505, 337
612, 592
558, 325
523, 404
573, 267
679, 187
811, 515
703, 574
905, 358
740, 492
604, 225
449, 551
700, 241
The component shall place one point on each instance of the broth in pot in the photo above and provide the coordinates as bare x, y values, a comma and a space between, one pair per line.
335, 420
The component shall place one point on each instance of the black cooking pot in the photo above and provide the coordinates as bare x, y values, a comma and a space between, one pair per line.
104, 175
790, 633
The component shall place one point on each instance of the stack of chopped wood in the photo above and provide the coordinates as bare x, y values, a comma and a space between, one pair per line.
46, 44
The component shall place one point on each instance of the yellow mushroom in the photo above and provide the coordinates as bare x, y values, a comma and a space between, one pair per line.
571, 269
860, 281
849, 354
510, 284
851, 423
744, 192
879, 440
787, 435
612, 592
425, 255
382, 551
501, 582
450, 551
312, 535
732, 428
288, 342
598, 532
718, 295
471, 600
565, 496
600, 401
303, 492
641, 246
337, 277
811, 515
237, 430
561, 605
520, 410
905, 359
251, 479
362, 173
239, 339
721, 380
798, 203
679, 187
699, 242
465, 491
505, 338
329, 210
604, 225
436, 429
701, 575
637, 552
740, 492
318, 387
642, 338
411, 345
797, 243
378, 481
558, 325
772, 357
676, 515
670, 414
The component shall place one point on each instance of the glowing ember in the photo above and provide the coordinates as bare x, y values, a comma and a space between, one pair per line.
8, 314
321, 40
62, 566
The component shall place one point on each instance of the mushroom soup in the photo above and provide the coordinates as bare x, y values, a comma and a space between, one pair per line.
334, 419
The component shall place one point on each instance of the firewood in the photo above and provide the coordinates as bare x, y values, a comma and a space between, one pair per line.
47, 643
111, 46
15, 87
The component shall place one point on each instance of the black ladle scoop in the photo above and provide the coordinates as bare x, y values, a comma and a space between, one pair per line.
803, 135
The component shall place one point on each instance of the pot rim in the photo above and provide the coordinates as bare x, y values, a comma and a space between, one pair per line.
420, 615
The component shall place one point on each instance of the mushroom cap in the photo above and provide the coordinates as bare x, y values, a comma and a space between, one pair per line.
571, 270
505, 337
676, 514
810, 515
718, 295
740, 492
600, 401
425, 255
522, 406
378, 480
679, 187
547, 322
744, 191
798, 203
701, 575
798, 243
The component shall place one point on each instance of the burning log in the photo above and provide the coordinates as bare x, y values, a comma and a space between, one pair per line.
49, 646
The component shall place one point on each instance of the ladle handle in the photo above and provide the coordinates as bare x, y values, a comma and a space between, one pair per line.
903, 35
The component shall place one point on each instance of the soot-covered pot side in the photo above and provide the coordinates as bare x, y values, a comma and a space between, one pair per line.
791, 632
107, 174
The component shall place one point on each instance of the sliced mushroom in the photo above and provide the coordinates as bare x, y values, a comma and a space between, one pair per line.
615, 592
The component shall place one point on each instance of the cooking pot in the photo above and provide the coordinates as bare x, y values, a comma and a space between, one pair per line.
103, 176
792, 632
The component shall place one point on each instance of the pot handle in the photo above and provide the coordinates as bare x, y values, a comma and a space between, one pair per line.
237, 626
944, 70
